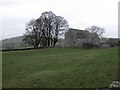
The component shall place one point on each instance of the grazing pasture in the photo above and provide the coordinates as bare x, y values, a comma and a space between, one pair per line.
60, 68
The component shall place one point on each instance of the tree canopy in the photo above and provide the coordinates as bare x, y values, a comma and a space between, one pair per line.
96, 29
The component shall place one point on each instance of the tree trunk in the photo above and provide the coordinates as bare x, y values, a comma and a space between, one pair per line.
55, 41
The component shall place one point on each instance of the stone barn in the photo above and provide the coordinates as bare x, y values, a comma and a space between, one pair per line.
75, 38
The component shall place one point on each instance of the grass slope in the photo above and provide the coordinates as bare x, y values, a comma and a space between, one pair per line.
60, 68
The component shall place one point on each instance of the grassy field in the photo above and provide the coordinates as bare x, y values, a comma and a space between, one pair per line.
60, 68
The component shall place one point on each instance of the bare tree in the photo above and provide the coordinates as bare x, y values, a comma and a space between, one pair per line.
45, 30
96, 29
47, 19
53, 27
32, 35
60, 27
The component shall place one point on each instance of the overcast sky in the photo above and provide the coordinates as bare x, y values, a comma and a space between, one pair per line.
79, 14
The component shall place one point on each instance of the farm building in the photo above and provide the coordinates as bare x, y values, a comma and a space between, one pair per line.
75, 38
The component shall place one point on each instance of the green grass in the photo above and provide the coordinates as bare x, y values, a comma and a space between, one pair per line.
60, 68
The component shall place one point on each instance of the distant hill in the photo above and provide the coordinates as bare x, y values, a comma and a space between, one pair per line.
10, 43
16, 42
14, 39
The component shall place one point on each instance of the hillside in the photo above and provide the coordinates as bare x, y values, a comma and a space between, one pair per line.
15, 42
13, 39
60, 68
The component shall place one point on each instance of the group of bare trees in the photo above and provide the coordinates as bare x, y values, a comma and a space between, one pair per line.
45, 31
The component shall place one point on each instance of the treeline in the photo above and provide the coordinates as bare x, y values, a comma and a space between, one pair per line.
45, 31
